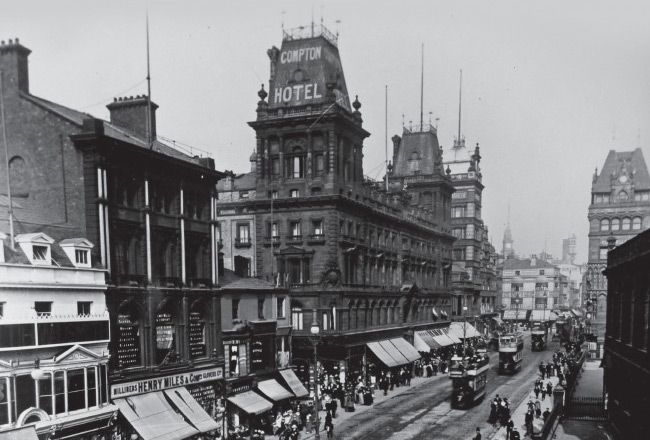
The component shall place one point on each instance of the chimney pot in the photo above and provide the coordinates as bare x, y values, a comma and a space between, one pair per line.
11, 41
16, 40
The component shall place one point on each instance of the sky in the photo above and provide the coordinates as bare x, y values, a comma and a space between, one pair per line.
549, 87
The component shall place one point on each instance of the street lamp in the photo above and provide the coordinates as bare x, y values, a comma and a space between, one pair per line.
464, 329
315, 338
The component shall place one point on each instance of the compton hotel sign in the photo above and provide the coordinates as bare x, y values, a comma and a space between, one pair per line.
165, 382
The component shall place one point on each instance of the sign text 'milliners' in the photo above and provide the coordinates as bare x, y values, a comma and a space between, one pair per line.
165, 382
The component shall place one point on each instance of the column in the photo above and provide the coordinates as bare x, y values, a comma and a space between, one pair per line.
147, 221
182, 212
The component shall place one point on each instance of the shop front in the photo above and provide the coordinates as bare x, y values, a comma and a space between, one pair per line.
184, 405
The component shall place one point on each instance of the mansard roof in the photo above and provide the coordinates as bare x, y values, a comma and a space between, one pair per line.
526, 264
617, 163
418, 151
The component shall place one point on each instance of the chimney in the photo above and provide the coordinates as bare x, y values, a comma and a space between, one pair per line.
13, 65
533, 260
131, 113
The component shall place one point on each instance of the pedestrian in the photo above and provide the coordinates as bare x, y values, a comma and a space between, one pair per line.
543, 393
334, 406
537, 390
509, 427
329, 429
529, 422
478, 434
546, 414
542, 369
515, 434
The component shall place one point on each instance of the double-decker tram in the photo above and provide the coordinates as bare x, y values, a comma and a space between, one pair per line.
468, 379
511, 352
539, 337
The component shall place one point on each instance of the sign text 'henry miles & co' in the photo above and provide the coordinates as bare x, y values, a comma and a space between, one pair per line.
165, 382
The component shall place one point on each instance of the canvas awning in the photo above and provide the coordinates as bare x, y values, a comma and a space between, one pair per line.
22, 433
424, 341
151, 415
190, 408
406, 349
294, 383
513, 315
441, 338
273, 390
382, 355
394, 352
451, 336
463, 330
250, 402
542, 315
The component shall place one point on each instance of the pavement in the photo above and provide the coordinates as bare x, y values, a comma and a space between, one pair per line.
342, 415
518, 416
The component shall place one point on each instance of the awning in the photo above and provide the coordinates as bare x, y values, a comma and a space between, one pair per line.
406, 349
22, 433
424, 341
393, 351
191, 409
576, 312
273, 390
513, 315
434, 313
450, 335
153, 417
382, 355
294, 383
498, 320
441, 338
542, 315
251, 402
463, 330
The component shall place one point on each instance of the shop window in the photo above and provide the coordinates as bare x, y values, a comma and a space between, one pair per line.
128, 347
76, 390
165, 339
237, 360
25, 393
197, 335
59, 392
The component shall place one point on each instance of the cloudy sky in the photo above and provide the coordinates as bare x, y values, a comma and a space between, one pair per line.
549, 87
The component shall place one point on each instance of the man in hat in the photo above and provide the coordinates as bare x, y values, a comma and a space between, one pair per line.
515, 434
478, 434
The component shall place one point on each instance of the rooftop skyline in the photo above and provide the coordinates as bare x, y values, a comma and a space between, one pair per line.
548, 88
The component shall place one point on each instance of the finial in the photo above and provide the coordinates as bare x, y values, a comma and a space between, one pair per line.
262, 93
448, 171
356, 104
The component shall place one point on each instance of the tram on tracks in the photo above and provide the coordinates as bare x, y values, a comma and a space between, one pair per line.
468, 379
511, 352
539, 338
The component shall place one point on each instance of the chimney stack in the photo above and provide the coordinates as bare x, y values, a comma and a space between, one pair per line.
13, 64
131, 113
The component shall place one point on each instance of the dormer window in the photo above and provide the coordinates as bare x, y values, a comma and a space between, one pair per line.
78, 251
37, 247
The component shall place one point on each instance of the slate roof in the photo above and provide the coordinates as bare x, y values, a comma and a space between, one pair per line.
613, 165
230, 280
423, 145
76, 117
525, 264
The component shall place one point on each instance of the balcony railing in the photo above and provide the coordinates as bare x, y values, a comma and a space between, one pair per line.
316, 239
275, 241
243, 242
294, 239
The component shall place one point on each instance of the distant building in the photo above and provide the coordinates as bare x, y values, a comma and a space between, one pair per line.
532, 288
627, 338
569, 249
54, 335
508, 250
473, 274
620, 208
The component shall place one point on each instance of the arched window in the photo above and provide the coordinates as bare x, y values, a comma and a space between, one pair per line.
622, 196
616, 224
165, 334
636, 223
18, 177
295, 168
604, 224
625, 226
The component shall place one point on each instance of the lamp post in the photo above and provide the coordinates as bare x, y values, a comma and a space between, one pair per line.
315, 338
517, 312
464, 329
